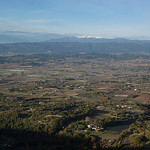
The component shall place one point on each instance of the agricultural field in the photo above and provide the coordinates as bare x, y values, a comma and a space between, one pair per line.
74, 101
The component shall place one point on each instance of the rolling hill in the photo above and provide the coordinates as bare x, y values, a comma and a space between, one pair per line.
76, 47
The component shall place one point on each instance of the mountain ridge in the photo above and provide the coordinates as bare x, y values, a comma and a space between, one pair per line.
20, 36
75, 47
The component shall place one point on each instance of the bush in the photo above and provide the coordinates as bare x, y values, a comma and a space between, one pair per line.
136, 139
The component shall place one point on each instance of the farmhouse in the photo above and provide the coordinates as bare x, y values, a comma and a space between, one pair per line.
95, 127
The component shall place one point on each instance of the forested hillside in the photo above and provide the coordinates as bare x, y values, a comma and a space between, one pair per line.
75, 47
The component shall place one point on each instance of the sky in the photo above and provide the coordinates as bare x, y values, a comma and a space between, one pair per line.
108, 18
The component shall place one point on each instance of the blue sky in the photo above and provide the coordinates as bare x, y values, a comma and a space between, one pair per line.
110, 18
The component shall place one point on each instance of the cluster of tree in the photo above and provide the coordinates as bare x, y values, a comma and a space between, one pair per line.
122, 118
138, 135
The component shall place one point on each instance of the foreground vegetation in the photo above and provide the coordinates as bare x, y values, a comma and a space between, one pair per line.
74, 101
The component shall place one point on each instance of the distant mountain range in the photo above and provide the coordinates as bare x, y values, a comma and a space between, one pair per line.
93, 39
19, 37
24, 42
88, 40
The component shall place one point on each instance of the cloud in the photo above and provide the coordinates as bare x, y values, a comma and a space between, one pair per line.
7, 24
39, 21
11, 25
